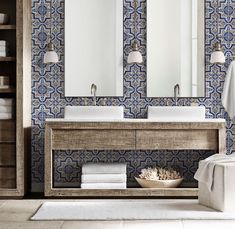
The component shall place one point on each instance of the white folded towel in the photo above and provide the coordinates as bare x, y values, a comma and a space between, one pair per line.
205, 172
228, 95
103, 186
5, 116
5, 109
4, 86
104, 168
104, 178
5, 102
3, 48
3, 53
3, 43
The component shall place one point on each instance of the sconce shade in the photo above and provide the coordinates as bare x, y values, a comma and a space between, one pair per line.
50, 56
135, 57
217, 57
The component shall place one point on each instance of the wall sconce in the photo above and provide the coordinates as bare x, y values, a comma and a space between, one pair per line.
217, 56
51, 57
135, 56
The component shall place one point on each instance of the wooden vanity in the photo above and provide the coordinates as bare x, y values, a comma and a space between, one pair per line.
129, 134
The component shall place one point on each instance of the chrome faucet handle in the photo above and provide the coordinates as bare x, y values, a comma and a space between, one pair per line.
93, 89
177, 86
176, 92
93, 92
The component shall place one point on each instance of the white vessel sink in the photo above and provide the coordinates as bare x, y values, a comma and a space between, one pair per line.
94, 112
176, 113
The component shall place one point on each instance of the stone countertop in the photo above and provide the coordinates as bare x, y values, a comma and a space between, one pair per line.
137, 120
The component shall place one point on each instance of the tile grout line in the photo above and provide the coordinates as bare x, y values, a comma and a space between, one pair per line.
62, 225
3, 204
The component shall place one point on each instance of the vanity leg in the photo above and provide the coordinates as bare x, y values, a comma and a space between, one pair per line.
48, 162
222, 141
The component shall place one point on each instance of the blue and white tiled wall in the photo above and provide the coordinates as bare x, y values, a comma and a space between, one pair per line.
68, 163
48, 100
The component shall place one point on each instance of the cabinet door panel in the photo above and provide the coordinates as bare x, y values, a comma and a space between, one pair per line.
7, 131
7, 154
93, 139
7, 177
177, 139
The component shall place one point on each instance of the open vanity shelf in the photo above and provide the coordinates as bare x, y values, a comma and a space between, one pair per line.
129, 135
7, 27
15, 64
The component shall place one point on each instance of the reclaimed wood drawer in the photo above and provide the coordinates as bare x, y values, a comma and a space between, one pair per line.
93, 139
7, 154
177, 139
7, 131
7, 177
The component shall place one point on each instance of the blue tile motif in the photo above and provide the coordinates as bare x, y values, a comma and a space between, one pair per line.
67, 164
48, 100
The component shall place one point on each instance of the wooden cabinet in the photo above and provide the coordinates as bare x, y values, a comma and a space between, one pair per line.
176, 139
15, 133
7, 131
93, 139
8, 177
7, 154
129, 135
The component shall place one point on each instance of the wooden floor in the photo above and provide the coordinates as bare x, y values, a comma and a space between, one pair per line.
16, 214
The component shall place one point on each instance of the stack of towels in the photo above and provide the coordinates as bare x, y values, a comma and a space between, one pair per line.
104, 176
3, 48
4, 82
5, 108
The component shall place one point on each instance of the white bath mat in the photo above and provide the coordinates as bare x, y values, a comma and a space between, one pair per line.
127, 210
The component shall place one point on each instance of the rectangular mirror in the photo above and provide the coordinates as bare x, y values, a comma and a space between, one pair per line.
93, 47
175, 48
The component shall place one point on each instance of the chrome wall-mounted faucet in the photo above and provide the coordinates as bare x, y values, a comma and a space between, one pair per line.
176, 93
93, 92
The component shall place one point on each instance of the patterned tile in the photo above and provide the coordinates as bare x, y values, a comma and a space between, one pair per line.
48, 99
67, 164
